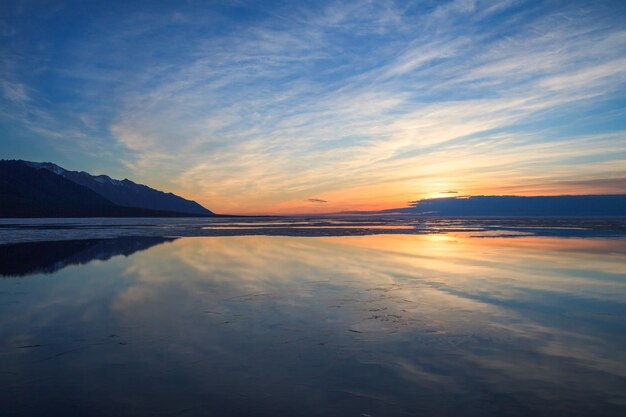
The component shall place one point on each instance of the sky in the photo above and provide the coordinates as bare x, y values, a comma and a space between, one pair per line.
309, 107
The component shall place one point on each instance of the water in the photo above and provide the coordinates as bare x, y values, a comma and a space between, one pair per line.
531, 322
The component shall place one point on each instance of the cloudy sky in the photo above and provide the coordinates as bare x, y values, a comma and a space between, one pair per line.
283, 107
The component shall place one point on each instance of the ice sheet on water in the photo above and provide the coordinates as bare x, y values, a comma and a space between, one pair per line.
28, 230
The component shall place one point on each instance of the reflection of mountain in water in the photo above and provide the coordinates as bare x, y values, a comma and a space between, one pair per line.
47, 257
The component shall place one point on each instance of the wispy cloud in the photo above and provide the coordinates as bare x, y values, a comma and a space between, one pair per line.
355, 101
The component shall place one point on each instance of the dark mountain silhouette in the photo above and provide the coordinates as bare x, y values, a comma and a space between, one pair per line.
28, 258
125, 192
30, 192
538, 206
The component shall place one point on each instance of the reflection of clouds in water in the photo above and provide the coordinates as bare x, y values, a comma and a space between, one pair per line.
393, 284
482, 270
396, 324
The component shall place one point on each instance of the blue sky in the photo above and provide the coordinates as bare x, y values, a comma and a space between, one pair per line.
260, 107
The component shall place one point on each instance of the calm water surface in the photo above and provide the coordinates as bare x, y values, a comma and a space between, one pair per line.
380, 325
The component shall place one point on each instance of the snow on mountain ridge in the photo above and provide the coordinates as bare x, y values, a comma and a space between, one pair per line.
46, 165
102, 179
105, 179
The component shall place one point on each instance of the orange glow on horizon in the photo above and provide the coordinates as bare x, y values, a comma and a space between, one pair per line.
379, 198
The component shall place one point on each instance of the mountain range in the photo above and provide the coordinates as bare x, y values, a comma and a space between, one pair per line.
44, 189
506, 205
